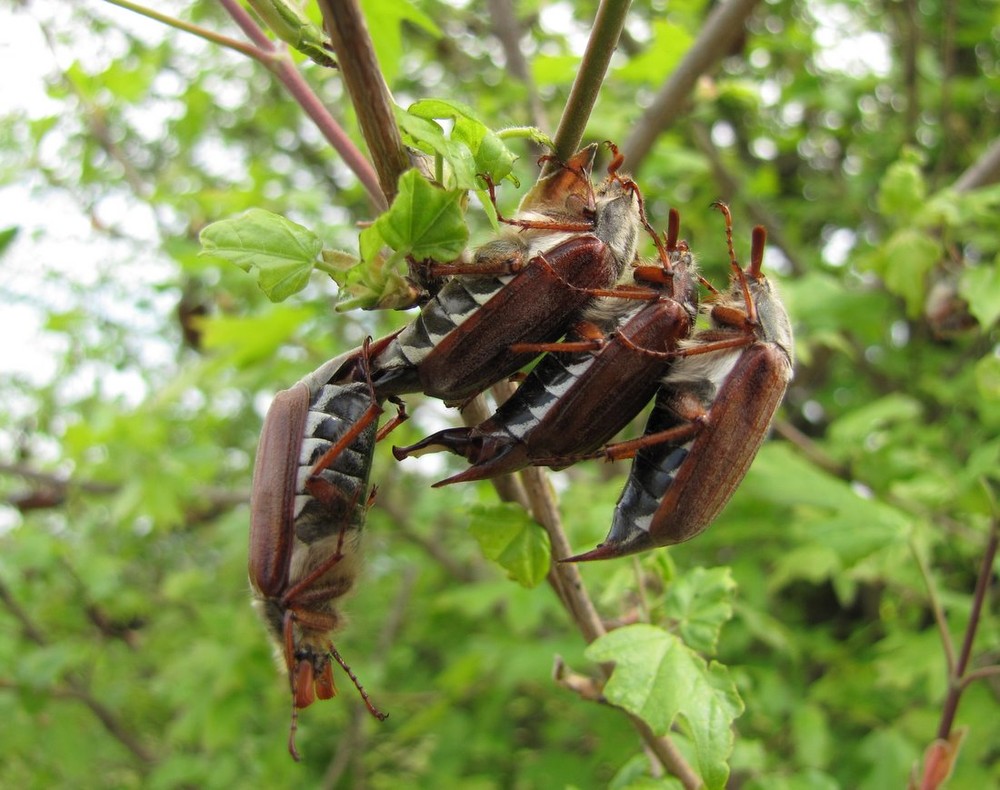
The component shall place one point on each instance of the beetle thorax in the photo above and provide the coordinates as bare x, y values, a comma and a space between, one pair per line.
775, 326
617, 222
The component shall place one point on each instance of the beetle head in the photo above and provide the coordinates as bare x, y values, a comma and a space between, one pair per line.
567, 190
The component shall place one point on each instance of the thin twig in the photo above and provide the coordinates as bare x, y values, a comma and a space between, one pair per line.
566, 581
281, 65
985, 171
965, 652
76, 688
722, 28
276, 60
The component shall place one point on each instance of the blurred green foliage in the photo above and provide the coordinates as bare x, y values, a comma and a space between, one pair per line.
129, 655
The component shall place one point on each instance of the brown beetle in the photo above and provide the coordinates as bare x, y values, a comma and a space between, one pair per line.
588, 387
565, 244
711, 416
308, 505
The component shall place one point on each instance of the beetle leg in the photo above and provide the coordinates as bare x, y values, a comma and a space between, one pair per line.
539, 224
505, 266
592, 339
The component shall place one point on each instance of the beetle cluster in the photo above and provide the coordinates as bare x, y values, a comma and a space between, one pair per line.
553, 284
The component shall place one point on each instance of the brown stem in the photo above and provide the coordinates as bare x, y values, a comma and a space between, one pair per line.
369, 93
722, 28
284, 69
955, 685
566, 581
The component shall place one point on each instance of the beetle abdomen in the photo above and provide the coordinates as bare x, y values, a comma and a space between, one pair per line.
334, 410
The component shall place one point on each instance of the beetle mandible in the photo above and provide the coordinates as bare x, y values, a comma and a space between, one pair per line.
712, 414
308, 505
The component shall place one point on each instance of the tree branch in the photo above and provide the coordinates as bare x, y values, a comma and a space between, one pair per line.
722, 28
985, 171
566, 581
369, 93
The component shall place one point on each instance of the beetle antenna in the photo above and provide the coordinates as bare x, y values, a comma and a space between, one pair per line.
738, 273
357, 684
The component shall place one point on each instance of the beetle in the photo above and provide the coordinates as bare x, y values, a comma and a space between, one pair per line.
564, 246
586, 389
711, 415
308, 504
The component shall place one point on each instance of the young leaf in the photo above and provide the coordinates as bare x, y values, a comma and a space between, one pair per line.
424, 220
278, 253
491, 156
700, 601
980, 287
658, 678
509, 537
430, 138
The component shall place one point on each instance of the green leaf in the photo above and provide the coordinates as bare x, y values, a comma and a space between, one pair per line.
980, 287
278, 253
902, 192
903, 262
700, 601
429, 137
424, 220
489, 153
658, 678
385, 23
7, 236
509, 537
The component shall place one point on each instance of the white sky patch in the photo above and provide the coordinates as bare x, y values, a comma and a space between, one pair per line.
838, 246
845, 44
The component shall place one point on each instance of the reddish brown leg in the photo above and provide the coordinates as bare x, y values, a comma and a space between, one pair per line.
592, 339
569, 227
500, 268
